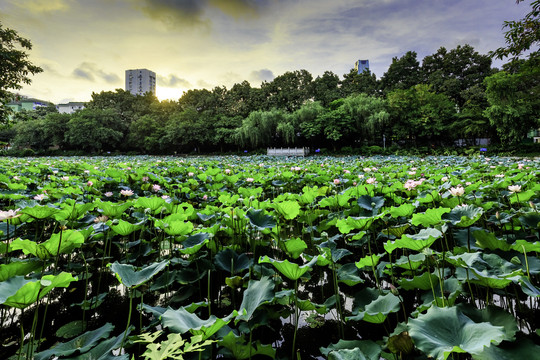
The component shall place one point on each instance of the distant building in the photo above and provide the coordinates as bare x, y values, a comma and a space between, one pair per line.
361, 65
26, 103
70, 107
140, 81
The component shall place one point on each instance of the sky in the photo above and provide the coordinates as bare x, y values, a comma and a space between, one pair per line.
85, 46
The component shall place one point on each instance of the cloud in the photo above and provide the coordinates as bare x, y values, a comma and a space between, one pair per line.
173, 81
197, 13
91, 72
259, 76
42, 6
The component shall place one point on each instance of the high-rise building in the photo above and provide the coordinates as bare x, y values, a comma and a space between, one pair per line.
361, 65
140, 81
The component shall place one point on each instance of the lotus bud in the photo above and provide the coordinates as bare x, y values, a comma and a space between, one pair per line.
531, 204
498, 215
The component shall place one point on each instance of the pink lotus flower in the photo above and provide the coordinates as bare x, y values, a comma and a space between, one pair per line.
126, 192
336, 181
190, 174
457, 191
205, 197
227, 171
16, 178
10, 214
145, 178
156, 187
371, 180
89, 183
40, 197
64, 178
108, 194
346, 171
250, 179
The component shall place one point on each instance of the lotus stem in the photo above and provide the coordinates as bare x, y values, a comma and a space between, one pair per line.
526, 262
129, 318
295, 317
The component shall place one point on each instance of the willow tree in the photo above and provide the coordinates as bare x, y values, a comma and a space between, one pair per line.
259, 129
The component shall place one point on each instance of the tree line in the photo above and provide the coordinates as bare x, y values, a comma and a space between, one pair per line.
449, 95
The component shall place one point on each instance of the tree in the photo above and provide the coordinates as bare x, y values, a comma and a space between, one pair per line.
402, 73
522, 35
420, 116
14, 67
514, 106
288, 91
354, 83
325, 88
453, 72
95, 130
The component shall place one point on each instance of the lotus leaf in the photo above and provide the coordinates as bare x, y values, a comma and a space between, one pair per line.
259, 220
131, 277
292, 271
295, 247
257, 293
194, 243
377, 310
442, 331
430, 217
367, 349
240, 350
288, 209
464, 215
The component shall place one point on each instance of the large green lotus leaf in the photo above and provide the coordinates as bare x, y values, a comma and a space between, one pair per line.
40, 211
257, 293
124, 228
522, 196
442, 331
369, 203
488, 240
72, 210
376, 311
368, 349
178, 227
240, 350
349, 274
182, 321
430, 217
421, 282
351, 223
19, 267
329, 202
517, 350
397, 230
368, 261
521, 245
194, 242
82, 343
288, 209
425, 238
530, 220
411, 262
528, 288
27, 292
295, 247
494, 315
154, 203
495, 272
230, 261
292, 271
347, 354
113, 210
259, 220
132, 277
464, 215
404, 210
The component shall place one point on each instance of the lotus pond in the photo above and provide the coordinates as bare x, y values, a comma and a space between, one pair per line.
257, 257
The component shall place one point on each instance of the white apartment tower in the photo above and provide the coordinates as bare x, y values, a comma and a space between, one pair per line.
140, 81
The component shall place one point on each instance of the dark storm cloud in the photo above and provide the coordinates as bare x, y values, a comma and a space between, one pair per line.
262, 75
90, 71
173, 81
192, 12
